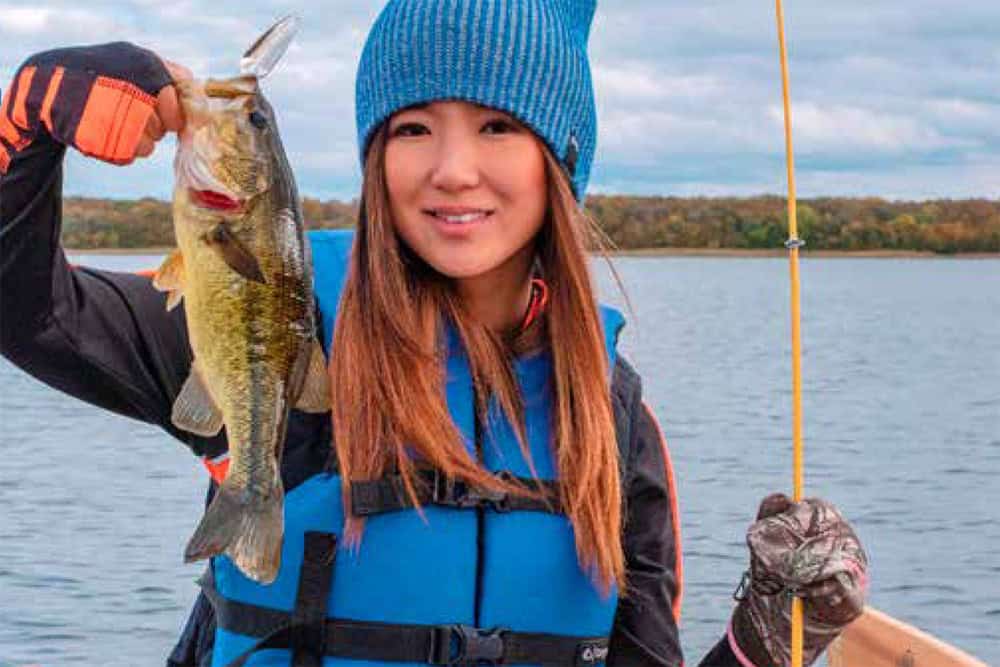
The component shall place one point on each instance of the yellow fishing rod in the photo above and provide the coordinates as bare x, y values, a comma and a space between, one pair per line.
793, 244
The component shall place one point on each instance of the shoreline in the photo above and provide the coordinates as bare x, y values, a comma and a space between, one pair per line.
154, 250
804, 254
667, 252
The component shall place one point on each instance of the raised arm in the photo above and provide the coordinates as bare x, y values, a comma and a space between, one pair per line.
103, 337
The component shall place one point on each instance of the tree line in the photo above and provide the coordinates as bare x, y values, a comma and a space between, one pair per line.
944, 226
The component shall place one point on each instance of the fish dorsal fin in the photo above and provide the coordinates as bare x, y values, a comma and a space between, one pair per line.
315, 396
195, 410
170, 278
264, 54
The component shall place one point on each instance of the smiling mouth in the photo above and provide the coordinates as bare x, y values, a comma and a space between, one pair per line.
463, 217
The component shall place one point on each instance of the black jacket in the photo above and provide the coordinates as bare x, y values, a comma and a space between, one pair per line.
106, 338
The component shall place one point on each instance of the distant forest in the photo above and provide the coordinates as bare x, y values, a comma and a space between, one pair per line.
941, 226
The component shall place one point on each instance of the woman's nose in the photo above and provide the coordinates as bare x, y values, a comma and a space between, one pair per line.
456, 164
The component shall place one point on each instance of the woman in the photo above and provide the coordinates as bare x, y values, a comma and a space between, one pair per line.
498, 493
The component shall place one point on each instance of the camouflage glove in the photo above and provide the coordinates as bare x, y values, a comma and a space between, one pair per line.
101, 100
804, 549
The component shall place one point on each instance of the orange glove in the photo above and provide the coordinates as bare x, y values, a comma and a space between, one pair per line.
112, 102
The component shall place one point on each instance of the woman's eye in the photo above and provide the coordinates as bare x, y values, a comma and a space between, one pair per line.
409, 130
498, 126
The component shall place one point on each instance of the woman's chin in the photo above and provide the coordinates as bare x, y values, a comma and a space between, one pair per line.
463, 270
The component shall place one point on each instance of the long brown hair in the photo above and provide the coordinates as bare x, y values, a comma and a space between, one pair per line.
387, 371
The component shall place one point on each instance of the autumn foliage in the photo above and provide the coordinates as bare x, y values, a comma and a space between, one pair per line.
631, 222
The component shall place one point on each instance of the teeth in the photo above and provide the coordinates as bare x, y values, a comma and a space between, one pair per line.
465, 217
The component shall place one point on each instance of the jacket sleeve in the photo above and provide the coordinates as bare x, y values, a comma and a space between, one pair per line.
101, 336
645, 631
645, 627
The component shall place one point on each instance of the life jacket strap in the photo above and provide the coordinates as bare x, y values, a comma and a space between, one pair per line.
388, 494
308, 629
437, 645
304, 629
311, 636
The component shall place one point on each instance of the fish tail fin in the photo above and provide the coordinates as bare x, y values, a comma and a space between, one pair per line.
250, 534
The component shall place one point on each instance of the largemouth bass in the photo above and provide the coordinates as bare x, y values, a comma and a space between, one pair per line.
243, 269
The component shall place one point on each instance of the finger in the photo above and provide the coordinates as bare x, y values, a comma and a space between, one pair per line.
146, 147
837, 601
154, 128
168, 108
177, 71
835, 584
828, 587
168, 105
776, 503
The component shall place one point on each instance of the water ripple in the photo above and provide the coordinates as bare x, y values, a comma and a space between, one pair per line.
901, 425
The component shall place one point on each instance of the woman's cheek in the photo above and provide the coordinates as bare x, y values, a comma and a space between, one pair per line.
395, 167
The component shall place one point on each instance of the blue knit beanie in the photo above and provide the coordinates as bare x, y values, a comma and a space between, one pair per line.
525, 57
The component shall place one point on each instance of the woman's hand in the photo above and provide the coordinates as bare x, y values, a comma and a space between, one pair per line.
168, 116
806, 549
112, 101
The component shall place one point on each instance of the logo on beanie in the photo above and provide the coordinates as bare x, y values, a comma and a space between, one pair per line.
572, 153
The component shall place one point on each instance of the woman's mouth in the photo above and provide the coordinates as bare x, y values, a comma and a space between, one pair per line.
459, 216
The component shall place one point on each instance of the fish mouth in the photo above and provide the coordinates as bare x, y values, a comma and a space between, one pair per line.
193, 171
214, 200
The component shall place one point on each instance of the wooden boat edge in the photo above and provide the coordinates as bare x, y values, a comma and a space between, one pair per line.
879, 640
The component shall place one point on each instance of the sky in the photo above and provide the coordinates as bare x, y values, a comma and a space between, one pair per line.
891, 98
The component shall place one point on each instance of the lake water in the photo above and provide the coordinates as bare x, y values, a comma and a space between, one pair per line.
902, 425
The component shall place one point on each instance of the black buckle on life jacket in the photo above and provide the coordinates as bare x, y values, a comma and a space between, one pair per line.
450, 492
465, 645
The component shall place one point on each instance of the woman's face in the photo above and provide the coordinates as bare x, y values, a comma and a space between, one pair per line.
467, 188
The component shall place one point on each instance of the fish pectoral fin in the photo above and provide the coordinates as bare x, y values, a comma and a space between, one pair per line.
194, 409
170, 278
234, 253
315, 396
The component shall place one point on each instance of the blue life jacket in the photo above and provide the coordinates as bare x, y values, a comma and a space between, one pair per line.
476, 581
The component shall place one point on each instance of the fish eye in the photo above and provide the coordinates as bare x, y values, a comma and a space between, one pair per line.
258, 120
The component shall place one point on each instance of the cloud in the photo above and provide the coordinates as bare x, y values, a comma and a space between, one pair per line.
839, 129
979, 120
894, 95
644, 137
23, 20
638, 81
